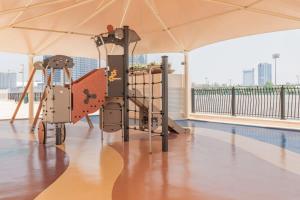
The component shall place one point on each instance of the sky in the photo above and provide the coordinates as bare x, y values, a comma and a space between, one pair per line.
225, 61
221, 62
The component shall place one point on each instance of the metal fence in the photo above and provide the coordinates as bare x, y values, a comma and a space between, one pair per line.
282, 102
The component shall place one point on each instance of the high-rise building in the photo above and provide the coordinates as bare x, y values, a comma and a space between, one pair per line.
8, 80
138, 59
248, 77
83, 66
264, 73
57, 78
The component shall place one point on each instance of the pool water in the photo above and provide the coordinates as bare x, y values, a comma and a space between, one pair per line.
288, 139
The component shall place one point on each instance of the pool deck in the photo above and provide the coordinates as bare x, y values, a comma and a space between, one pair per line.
206, 164
249, 121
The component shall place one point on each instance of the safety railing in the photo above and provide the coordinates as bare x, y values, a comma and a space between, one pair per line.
282, 102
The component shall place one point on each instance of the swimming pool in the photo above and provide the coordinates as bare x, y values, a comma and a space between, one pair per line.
288, 139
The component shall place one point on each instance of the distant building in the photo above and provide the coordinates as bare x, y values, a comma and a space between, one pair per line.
8, 80
138, 59
248, 77
81, 67
57, 78
264, 73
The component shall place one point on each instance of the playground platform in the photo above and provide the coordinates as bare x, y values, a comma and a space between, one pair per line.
206, 164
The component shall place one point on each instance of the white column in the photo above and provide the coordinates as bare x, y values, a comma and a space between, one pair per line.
187, 86
30, 90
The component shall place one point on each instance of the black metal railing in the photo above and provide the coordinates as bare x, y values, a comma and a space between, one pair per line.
16, 96
282, 102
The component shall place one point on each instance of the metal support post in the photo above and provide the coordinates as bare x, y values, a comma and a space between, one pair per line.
125, 85
150, 98
164, 75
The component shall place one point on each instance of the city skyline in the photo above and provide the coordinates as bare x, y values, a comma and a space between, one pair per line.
229, 57
138, 59
81, 67
263, 73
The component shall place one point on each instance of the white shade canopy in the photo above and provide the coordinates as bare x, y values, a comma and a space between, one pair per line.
41, 27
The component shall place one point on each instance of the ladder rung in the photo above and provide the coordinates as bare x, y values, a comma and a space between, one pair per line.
156, 112
156, 134
111, 124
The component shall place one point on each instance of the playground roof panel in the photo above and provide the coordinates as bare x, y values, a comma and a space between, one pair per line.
66, 26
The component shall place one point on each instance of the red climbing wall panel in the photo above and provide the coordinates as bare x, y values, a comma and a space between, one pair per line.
88, 94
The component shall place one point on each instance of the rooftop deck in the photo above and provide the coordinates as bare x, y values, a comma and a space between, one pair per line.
207, 164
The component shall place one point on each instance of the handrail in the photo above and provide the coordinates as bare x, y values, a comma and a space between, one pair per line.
282, 102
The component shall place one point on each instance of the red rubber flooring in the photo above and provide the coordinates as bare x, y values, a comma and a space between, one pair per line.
27, 168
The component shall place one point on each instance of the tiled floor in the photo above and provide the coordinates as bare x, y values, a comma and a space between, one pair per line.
207, 164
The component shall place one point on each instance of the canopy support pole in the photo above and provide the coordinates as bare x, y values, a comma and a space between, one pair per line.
187, 86
30, 91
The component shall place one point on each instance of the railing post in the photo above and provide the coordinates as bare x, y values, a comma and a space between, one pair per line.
233, 101
282, 102
193, 100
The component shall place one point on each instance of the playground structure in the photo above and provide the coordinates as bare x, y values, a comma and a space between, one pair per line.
70, 101
110, 90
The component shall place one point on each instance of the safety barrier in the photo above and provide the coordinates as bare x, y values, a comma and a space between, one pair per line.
282, 102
